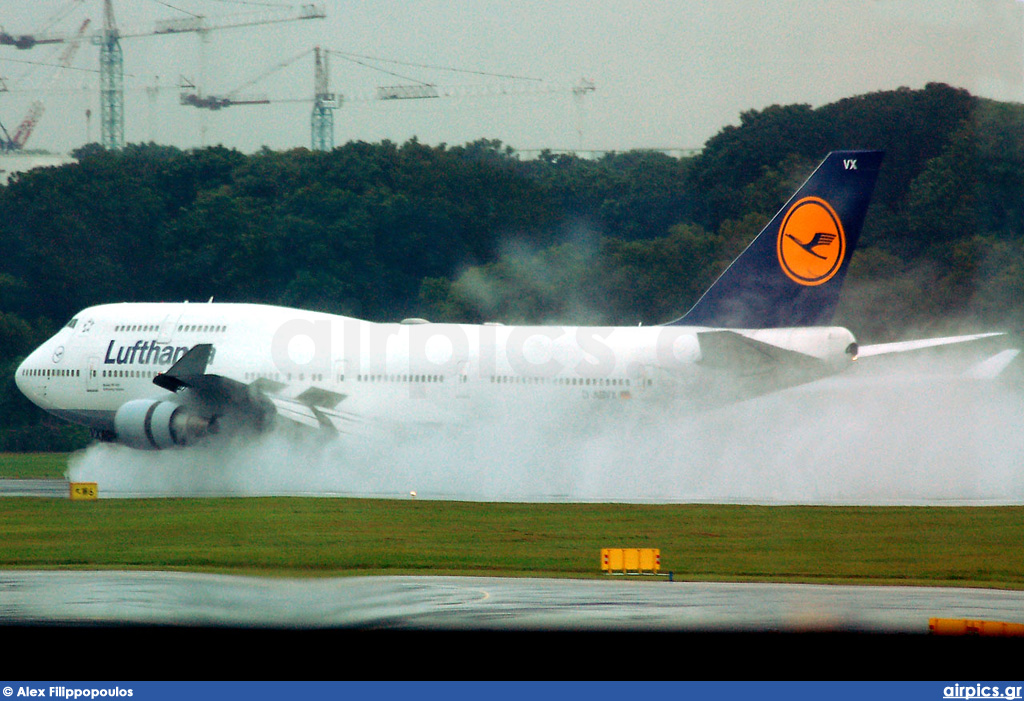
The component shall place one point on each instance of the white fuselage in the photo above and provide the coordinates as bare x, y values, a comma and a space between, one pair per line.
108, 355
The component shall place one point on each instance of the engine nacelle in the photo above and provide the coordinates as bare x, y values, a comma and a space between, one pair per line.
151, 424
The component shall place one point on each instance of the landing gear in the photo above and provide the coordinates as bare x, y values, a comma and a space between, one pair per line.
102, 435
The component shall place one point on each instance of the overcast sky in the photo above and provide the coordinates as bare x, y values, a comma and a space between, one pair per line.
667, 74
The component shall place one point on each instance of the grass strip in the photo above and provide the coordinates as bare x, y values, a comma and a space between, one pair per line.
290, 536
33, 465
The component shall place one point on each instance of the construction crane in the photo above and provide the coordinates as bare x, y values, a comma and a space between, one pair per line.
325, 101
419, 90
29, 41
212, 102
201, 23
112, 57
193, 97
10, 143
112, 63
111, 81
321, 121
35, 110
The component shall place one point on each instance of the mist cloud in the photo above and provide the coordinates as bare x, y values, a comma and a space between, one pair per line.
922, 435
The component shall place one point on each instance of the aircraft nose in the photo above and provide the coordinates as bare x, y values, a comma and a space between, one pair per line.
20, 377
23, 377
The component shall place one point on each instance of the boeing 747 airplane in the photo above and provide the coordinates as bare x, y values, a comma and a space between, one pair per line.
160, 375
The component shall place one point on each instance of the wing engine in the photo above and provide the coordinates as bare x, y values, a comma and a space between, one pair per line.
152, 424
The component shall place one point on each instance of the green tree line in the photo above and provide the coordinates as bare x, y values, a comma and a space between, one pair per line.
474, 233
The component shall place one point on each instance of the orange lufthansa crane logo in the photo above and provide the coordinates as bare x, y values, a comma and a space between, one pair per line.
811, 243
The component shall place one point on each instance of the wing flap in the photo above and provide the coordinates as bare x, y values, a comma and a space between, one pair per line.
313, 416
296, 411
188, 370
314, 396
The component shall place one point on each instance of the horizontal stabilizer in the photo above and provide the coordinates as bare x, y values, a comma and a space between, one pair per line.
991, 368
907, 346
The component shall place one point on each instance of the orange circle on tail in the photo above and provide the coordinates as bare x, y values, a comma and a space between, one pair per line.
811, 243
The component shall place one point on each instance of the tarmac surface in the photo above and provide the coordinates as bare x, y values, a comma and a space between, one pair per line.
484, 603
34, 488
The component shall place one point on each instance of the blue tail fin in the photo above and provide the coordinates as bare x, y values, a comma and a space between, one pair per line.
791, 274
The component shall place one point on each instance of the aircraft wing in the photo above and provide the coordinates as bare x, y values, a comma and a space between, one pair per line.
316, 408
991, 367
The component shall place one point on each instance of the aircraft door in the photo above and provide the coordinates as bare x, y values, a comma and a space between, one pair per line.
91, 374
461, 380
167, 328
641, 380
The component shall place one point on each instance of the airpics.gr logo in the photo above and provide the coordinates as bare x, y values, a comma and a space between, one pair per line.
811, 242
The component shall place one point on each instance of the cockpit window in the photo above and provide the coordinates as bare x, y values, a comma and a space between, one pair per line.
71, 324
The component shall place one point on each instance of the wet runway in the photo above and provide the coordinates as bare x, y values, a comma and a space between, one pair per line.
484, 603
34, 488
